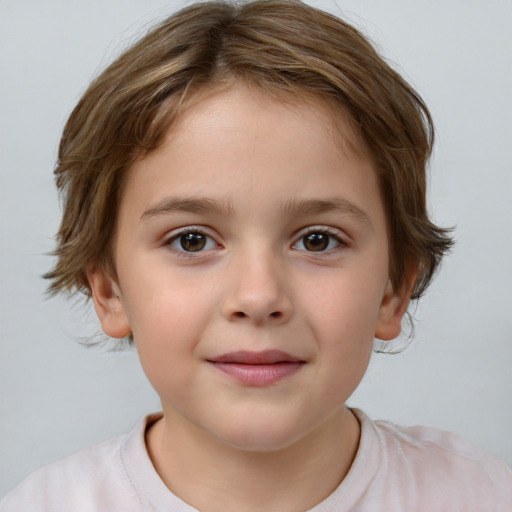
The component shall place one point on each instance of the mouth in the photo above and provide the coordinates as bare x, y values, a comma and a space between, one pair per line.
257, 368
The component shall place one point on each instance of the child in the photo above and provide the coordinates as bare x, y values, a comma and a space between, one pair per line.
245, 199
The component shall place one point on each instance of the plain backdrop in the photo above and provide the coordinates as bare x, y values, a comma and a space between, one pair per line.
57, 396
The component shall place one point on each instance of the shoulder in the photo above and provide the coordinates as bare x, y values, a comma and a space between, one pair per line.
92, 479
432, 462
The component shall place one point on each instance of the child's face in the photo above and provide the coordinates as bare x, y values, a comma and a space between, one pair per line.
251, 231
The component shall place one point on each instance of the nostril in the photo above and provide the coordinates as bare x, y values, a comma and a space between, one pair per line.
274, 314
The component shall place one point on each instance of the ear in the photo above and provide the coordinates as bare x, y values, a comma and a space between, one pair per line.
393, 307
108, 304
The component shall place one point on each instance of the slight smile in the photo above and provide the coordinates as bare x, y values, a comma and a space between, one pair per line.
257, 368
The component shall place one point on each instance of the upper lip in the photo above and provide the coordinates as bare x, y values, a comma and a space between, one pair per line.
263, 357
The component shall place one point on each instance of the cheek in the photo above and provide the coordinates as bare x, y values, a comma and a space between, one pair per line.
163, 303
168, 319
343, 317
345, 305
345, 345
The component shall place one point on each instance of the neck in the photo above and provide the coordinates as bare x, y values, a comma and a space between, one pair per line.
213, 476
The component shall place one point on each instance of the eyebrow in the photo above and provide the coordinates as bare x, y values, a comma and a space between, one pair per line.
296, 207
292, 208
199, 205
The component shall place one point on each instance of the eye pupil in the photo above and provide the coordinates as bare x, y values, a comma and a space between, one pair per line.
316, 241
192, 242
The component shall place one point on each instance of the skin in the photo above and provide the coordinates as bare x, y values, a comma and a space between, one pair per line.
256, 285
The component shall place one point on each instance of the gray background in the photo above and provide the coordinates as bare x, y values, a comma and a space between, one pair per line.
57, 396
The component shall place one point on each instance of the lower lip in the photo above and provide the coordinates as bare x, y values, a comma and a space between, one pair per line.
258, 374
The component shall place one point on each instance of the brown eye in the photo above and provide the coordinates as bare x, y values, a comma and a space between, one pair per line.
316, 241
192, 241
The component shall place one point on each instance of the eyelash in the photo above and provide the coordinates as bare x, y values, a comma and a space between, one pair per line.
188, 231
317, 230
329, 232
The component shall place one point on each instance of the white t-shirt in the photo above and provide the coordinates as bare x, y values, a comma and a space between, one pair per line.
396, 469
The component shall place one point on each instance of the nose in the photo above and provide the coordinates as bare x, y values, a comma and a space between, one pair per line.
258, 292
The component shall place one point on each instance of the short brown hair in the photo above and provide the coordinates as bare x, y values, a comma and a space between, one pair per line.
282, 46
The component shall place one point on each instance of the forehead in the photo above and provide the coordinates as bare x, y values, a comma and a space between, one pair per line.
236, 107
232, 142
238, 100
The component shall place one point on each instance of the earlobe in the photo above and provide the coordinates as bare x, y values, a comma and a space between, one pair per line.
108, 304
393, 308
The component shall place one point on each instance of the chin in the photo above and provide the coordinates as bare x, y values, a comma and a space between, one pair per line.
260, 436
